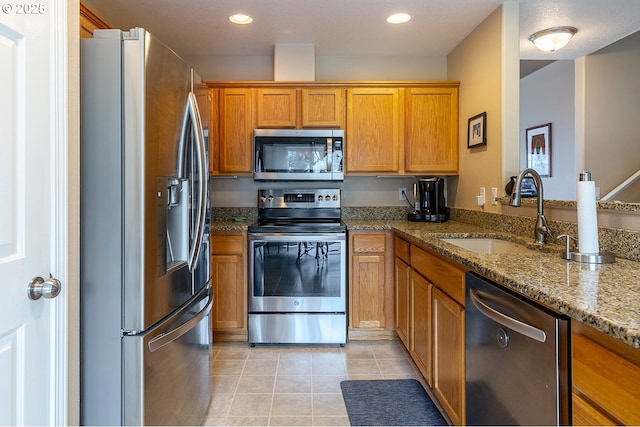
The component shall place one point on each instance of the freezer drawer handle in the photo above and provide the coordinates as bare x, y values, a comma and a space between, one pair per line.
165, 338
511, 323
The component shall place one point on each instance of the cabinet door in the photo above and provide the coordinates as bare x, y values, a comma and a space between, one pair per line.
276, 108
205, 98
402, 301
367, 291
228, 277
236, 131
214, 131
323, 108
89, 21
448, 356
431, 130
374, 130
585, 414
371, 281
607, 373
420, 329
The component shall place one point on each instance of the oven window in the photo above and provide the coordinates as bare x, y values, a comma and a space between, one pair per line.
297, 269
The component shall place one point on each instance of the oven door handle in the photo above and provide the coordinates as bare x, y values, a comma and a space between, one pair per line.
507, 321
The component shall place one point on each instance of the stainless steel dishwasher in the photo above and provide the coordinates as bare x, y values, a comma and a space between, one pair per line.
517, 359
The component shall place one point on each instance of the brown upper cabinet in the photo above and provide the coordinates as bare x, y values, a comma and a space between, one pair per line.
276, 108
392, 128
374, 130
322, 108
89, 21
431, 130
300, 108
403, 130
235, 132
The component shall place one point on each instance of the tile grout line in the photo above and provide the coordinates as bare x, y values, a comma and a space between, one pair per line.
273, 389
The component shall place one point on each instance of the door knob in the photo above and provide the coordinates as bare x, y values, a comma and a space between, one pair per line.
38, 287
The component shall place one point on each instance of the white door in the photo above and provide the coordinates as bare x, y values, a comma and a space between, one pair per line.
33, 206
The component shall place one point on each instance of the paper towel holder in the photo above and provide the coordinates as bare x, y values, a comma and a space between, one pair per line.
602, 257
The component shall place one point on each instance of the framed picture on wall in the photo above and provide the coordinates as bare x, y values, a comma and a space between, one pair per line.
538, 140
477, 131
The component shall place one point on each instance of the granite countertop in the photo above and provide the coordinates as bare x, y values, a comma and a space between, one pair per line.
230, 225
604, 296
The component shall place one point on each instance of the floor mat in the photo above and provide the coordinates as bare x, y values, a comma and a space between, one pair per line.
389, 403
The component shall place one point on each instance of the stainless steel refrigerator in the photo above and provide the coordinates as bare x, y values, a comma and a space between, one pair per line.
145, 296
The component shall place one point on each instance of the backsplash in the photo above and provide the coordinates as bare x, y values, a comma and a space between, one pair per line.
372, 213
623, 243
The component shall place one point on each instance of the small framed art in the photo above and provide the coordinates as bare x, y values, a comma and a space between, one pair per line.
477, 132
539, 149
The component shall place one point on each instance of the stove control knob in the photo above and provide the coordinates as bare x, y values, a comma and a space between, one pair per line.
320, 198
262, 199
270, 198
335, 197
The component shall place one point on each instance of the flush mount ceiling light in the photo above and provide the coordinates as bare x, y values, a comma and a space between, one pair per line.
552, 39
398, 18
241, 19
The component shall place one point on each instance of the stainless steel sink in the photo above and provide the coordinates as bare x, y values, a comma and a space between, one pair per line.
489, 245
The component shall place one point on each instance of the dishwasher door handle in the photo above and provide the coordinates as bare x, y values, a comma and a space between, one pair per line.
511, 323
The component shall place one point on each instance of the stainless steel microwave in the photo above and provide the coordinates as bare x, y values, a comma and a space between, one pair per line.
298, 154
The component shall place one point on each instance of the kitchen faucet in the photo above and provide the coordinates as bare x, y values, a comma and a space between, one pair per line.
542, 228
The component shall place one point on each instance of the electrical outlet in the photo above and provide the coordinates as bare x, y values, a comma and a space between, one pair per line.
481, 198
401, 192
494, 196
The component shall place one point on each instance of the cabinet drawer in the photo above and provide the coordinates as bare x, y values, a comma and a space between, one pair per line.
228, 244
368, 243
444, 275
584, 414
607, 379
402, 249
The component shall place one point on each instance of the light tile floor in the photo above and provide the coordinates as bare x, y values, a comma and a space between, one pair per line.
296, 385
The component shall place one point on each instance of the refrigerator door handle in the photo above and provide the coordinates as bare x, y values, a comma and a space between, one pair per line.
165, 338
192, 118
501, 318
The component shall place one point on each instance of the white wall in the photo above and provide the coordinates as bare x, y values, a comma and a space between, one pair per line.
612, 112
328, 68
547, 96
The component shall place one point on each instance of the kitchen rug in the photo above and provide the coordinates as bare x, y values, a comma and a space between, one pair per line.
389, 403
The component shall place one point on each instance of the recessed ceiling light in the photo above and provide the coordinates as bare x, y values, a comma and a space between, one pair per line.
241, 19
398, 18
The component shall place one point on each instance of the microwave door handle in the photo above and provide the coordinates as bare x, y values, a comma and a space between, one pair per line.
196, 125
329, 154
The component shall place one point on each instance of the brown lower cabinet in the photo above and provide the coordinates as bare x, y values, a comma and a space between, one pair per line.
420, 325
436, 316
606, 378
229, 279
403, 291
371, 308
449, 356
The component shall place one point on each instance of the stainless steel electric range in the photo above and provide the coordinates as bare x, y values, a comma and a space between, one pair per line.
297, 268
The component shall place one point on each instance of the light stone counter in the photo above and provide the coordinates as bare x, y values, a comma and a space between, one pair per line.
230, 225
606, 296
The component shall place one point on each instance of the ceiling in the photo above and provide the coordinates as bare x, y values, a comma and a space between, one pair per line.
358, 27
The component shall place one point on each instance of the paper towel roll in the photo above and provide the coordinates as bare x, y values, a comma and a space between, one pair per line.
587, 218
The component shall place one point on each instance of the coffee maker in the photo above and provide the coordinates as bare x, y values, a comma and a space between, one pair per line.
430, 206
